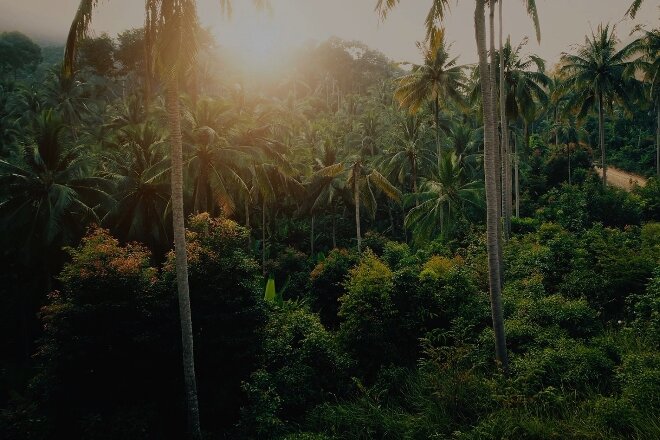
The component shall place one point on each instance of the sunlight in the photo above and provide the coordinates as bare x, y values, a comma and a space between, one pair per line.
257, 39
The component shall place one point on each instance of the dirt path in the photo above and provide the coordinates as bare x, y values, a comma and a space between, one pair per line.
621, 179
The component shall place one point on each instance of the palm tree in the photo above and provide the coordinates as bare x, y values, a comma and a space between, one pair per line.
409, 155
322, 190
173, 23
139, 168
648, 46
492, 197
634, 7
272, 182
571, 135
214, 162
363, 183
439, 79
437, 13
49, 197
443, 198
597, 75
522, 91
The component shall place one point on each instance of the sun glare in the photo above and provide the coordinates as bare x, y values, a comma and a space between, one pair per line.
258, 41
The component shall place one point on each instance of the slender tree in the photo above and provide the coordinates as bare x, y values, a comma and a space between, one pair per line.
439, 79
173, 23
599, 74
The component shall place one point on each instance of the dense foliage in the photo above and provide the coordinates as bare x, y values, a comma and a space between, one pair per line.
353, 187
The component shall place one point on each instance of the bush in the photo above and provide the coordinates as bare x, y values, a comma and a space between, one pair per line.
327, 284
367, 314
301, 367
639, 376
568, 364
106, 352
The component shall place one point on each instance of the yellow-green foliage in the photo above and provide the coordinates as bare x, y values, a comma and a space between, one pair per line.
651, 240
371, 273
438, 267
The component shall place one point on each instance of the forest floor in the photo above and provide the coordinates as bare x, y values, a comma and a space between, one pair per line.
622, 179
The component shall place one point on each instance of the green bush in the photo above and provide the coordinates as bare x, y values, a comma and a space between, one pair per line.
301, 367
567, 364
327, 284
108, 321
367, 314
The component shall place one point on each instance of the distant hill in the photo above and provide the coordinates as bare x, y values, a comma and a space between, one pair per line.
52, 54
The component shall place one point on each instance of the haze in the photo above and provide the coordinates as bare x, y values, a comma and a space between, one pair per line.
294, 22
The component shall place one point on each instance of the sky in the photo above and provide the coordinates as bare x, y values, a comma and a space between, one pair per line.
292, 23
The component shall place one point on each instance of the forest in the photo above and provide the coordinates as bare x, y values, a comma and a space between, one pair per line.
351, 248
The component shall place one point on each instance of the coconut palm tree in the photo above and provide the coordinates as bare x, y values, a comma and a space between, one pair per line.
363, 183
173, 23
139, 167
436, 14
599, 74
322, 190
648, 47
523, 90
438, 80
443, 199
410, 154
47, 198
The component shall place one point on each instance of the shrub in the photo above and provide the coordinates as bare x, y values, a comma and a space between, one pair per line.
327, 284
367, 313
105, 354
302, 366
567, 364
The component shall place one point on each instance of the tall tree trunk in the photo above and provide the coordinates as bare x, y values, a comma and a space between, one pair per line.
334, 230
356, 194
490, 171
200, 199
517, 177
506, 165
498, 146
147, 58
601, 137
657, 138
311, 239
247, 223
263, 237
493, 108
568, 147
185, 314
436, 115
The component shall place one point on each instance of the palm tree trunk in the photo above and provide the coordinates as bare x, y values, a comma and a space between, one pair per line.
498, 146
517, 177
334, 230
311, 239
263, 237
185, 314
247, 223
147, 58
493, 107
506, 174
436, 115
568, 147
601, 137
356, 191
657, 138
490, 171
